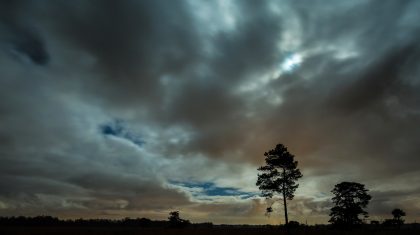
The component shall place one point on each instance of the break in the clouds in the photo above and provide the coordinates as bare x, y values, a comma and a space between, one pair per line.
136, 108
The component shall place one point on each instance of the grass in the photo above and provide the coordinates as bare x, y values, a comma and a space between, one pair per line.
193, 231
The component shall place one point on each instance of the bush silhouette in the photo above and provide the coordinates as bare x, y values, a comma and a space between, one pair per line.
176, 222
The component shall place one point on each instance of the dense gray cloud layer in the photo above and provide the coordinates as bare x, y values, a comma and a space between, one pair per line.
106, 105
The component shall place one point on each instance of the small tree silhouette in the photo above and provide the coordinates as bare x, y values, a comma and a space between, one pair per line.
279, 175
175, 221
349, 198
398, 214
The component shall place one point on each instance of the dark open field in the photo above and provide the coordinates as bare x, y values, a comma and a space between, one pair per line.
192, 231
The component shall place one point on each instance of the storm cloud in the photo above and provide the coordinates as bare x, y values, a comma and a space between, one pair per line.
135, 108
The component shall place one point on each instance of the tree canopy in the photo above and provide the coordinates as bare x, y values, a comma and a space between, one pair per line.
350, 199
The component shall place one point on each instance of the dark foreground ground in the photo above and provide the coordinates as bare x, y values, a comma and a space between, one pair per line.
193, 231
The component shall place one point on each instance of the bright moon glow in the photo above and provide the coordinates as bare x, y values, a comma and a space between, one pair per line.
291, 62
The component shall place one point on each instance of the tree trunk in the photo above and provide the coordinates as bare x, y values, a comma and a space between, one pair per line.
285, 208
284, 198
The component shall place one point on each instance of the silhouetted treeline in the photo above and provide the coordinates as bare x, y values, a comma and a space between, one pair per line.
126, 222
49, 221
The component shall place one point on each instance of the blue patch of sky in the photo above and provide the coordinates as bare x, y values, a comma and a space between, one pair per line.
119, 129
211, 190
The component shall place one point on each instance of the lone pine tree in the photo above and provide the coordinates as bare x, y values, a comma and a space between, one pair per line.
279, 176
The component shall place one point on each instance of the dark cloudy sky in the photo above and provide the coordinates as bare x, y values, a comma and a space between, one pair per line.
135, 108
